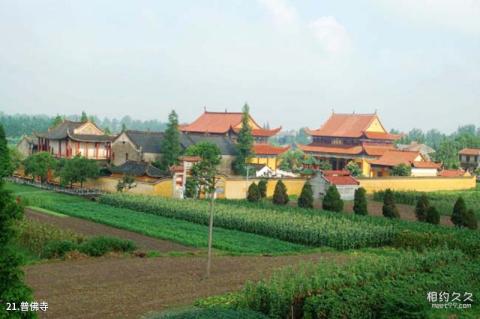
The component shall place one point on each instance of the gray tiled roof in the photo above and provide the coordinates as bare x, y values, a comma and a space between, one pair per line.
135, 168
225, 144
150, 142
60, 131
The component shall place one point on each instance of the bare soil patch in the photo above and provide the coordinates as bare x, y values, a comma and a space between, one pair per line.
88, 228
131, 287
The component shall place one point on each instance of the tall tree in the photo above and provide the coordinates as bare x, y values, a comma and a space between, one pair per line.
332, 200
12, 287
5, 161
171, 149
306, 196
360, 201
57, 120
448, 154
244, 143
389, 208
280, 195
421, 208
205, 174
84, 117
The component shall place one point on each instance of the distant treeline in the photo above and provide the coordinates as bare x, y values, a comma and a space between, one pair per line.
18, 125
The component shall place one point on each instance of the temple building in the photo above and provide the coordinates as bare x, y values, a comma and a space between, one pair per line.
228, 124
69, 139
350, 137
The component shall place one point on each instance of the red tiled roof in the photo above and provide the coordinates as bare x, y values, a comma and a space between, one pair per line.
344, 125
213, 122
341, 180
451, 173
394, 158
418, 164
470, 151
331, 149
262, 132
374, 149
382, 136
267, 149
188, 158
336, 172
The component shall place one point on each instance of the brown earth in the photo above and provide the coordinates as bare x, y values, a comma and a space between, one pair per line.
88, 228
111, 287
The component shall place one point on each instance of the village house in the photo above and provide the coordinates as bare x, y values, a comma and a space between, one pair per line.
418, 163
469, 158
343, 181
228, 124
424, 149
69, 138
27, 145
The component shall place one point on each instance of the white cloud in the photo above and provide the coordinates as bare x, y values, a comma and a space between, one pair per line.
331, 34
281, 12
460, 15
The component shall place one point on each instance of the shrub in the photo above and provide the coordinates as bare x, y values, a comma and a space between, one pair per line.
421, 208
459, 212
58, 248
433, 217
253, 194
191, 188
360, 202
332, 200
280, 196
354, 169
389, 209
470, 220
306, 196
99, 246
212, 313
402, 170
262, 188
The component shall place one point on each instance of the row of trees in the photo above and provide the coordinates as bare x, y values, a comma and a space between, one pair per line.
74, 170
12, 286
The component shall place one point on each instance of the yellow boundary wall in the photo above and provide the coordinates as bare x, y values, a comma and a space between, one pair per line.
161, 187
236, 188
418, 184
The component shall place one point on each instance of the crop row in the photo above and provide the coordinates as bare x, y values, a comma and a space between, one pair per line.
308, 229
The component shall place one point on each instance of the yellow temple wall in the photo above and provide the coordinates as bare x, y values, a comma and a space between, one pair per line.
418, 184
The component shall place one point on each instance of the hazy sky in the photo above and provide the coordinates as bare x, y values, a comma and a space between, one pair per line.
417, 62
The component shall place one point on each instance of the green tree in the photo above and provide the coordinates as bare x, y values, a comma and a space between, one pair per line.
124, 127
57, 120
253, 193
205, 174
171, 149
127, 182
433, 217
306, 196
360, 202
16, 159
262, 187
402, 170
353, 168
421, 208
77, 170
84, 117
5, 160
280, 195
12, 287
470, 220
389, 208
332, 200
244, 143
107, 131
39, 165
447, 153
191, 188
324, 165
291, 160
459, 211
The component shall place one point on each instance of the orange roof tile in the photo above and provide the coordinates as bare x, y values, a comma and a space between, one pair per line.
341, 180
394, 158
331, 149
374, 149
267, 149
470, 151
382, 136
452, 173
336, 172
262, 132
344, 125
418, 164
213, 122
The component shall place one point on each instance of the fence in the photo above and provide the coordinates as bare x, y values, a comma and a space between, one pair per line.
55, 188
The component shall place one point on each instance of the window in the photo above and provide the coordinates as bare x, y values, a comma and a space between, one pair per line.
126, 156
336, 141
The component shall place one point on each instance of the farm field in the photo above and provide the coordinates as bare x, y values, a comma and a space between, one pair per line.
155, 226
443, 200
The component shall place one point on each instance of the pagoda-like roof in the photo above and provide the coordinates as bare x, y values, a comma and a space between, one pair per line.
352, 125
66, 129
267, 149
222, 123
396, 157
135, 168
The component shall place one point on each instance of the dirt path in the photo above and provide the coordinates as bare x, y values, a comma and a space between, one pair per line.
89, 228
130, 287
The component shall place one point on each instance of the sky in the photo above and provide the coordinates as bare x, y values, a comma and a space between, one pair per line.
415, 62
